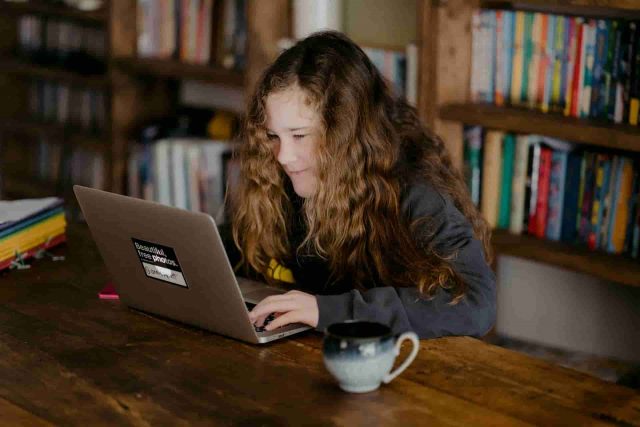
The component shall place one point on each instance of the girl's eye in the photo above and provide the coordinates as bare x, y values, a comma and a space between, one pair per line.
299, 136
271, 137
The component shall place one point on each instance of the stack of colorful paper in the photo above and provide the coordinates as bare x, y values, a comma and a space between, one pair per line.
28, 227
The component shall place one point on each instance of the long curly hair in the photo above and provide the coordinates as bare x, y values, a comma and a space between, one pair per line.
354, 220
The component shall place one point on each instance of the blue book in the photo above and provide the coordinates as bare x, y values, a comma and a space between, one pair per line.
489, 17
599, 61
551, 55
556, 194
568, 230
508, 32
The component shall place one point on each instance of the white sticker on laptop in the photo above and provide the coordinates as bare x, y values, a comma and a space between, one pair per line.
159, 262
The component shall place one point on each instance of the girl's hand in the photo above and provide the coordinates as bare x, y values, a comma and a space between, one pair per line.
292, 307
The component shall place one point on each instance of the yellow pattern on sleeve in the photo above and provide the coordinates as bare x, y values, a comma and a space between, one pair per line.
280, 272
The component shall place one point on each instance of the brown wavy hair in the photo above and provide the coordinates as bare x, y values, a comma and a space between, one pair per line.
354, 220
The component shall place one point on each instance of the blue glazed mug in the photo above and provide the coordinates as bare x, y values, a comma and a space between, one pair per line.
360, 354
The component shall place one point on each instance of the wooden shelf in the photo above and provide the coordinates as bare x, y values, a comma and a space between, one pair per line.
20, 67
616, 268
14, 186
586, 131
180, 70
56, 10
66, 134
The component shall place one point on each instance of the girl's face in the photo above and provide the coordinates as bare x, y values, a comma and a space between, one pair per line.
293, 129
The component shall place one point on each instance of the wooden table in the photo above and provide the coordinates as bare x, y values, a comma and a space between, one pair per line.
68, 358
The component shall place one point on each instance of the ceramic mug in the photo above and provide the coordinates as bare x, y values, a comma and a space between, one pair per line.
360, 354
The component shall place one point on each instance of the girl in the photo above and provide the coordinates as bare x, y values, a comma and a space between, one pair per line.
344, 187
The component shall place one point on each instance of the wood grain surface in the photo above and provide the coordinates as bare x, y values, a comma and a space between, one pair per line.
68, 358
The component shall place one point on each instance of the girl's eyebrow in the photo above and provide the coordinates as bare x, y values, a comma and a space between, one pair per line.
291, 129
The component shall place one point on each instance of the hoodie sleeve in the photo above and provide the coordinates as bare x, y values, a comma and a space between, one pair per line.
403, 308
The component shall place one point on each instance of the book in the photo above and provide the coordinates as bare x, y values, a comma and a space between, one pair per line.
551, 58
508, 152
577, 80
634, 88
492, 171
589, 38
603, 166
539, 219
531, 184
568, 231
571, 57
599, 62
613, 86
473, 161
527, 55
518, 58
519, 184
624, 183
587, 197
557, 183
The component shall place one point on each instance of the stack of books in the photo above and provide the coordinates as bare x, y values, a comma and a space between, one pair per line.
28, 228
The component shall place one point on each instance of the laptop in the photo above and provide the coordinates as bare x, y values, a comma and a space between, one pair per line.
171, 262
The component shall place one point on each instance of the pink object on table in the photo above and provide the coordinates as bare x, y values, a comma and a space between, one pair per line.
108, 292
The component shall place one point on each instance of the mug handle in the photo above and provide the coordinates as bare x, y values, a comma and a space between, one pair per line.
414, 351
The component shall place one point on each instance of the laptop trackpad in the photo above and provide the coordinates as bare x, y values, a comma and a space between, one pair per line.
258, 295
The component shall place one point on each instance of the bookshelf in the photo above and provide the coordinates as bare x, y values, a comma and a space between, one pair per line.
136, 89
446, 67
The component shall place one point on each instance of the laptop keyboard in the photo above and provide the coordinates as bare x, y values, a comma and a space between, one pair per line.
267, 320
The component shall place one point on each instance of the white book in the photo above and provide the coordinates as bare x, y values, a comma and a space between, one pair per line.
476, 55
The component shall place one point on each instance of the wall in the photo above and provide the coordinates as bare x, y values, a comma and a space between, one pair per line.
382, 22
563, 309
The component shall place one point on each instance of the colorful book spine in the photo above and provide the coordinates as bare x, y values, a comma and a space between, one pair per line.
558, 60
531, 188
518, 58
614, 78
624, 83
508, 153
634, 90
550, 60
556, 194
473, 161
508, 46
542, 203
538, 38
633, 207
527, 56
571, 56
568, 233
589, 59
519, 184
492, 171
601, 183
624, 186
587, 197
599, 63
578, 68
500, 58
